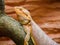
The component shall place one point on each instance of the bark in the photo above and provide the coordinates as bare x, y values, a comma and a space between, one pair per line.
9, 27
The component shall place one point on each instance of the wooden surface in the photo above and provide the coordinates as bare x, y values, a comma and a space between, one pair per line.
46, 14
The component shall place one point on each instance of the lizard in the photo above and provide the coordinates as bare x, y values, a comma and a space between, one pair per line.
25, 19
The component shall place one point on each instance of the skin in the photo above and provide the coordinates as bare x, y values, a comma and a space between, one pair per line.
37, 34
25, 21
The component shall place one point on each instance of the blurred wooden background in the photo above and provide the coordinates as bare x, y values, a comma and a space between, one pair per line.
46, 14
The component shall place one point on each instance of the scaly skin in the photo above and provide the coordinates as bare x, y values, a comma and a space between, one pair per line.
25, 19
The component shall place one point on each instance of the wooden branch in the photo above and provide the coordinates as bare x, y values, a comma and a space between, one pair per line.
40, 37
11, 28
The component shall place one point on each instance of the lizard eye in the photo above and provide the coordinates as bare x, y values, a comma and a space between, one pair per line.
20, 9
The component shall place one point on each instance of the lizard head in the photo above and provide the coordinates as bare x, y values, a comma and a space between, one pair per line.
23, 15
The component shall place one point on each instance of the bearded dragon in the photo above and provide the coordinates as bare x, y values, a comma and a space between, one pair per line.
25, 19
